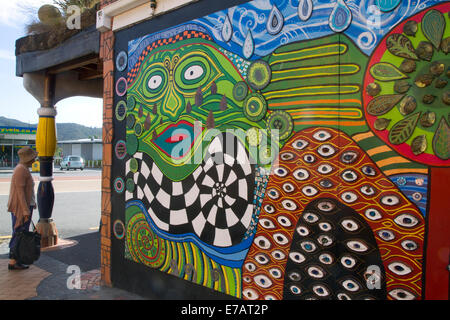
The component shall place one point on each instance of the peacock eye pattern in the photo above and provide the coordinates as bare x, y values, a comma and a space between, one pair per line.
329, 207
332, 245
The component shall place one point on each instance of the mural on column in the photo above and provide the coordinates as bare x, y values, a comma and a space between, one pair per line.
281, 149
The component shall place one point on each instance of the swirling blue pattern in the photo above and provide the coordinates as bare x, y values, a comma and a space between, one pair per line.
414, 187
368, 26
230, 256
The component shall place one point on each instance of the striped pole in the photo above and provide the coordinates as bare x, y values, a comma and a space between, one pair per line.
46, 147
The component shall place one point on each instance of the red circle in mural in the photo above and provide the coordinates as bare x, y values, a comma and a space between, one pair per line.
403, 148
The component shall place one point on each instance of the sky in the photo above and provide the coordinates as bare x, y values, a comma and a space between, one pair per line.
16, 102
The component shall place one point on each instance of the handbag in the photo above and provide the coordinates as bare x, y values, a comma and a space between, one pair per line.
28, 246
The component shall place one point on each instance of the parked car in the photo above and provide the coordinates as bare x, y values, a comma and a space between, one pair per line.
72, 162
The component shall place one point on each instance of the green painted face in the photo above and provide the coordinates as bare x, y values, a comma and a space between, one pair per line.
181, 91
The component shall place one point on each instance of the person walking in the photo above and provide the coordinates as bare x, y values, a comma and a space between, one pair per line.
21, 202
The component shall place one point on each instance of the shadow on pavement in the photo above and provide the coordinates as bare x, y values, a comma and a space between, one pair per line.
86, 254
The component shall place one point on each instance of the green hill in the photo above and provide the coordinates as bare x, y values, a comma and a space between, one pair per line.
65, 131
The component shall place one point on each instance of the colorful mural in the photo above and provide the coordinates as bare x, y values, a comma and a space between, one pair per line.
282, 149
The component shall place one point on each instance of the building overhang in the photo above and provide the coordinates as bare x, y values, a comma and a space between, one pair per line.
124, 13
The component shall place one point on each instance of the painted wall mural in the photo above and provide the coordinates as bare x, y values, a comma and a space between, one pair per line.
282, 149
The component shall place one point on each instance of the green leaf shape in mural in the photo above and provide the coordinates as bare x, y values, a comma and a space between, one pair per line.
384, 71
400, 46
419, 144
441, 140
383, 104
433, 26
403, 129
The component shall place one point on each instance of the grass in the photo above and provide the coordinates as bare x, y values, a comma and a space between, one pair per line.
44, 35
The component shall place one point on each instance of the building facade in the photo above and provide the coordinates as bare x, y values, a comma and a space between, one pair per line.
11, 140
265, 149
334, 107
88, 149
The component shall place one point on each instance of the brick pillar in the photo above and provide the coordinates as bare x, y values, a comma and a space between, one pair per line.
106, 54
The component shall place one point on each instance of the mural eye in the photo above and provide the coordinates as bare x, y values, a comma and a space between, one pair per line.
309, 191
295, 289
262, 242
262, 258
322, 135
273, 194
350, 285
357, 246
401, 294
278, 255
294, 276
406, 220
155, 82
301, 174
386, 235
270, 297
263, 281
326, 206
349, 157
280, 238
284, 221
303, 231
326, 258
399, 268
289, 205
308, 246
325, 183
409, 245
247, 279
321, 290
349, 225
349, 176
325, 240
309, 158
275, 272
300, 144
390, 200
326, 150
368, 171
348, 262
343, 296
373, 214
250, 294
250, 266
310, 217
281, 172
193, 72
325, 169
349, 197
288, 187
266, 223
296, 257
325, 226
286, 156
368, 190
316, 272
269, 208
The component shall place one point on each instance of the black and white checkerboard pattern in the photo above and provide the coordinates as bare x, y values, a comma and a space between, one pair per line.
215, 202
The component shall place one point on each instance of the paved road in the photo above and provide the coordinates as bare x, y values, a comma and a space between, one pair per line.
77, 207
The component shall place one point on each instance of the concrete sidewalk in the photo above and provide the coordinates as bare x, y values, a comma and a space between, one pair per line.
50, 277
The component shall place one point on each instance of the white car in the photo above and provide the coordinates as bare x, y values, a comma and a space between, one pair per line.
72, 162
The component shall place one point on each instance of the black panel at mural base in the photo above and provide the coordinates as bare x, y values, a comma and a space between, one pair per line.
154, 284
332, 250
127, 274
